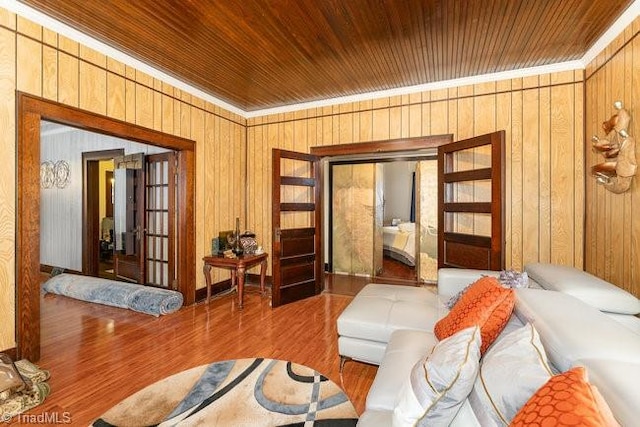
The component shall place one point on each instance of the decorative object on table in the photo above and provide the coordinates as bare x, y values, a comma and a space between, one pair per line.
223, 240
234, 239
33, 394
248, 242
144, 299
215, 246
229, 254
618, 149
245, 392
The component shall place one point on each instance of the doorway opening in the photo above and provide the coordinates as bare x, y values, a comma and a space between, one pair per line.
297, 190
382, 219
31, 111
97, 219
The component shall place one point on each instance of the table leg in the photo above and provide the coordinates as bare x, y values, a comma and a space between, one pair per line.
240, 285
207, 278
263, 273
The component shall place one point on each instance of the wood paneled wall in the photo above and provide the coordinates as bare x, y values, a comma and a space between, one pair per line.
612, 232
354, 225
543, 119
38, 61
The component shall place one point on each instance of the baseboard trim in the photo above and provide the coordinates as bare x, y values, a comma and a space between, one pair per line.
45, 268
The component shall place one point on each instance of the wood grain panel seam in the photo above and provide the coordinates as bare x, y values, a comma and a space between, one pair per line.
611, 56
135, 99
373, 109
42, 60
105, 68
585, 156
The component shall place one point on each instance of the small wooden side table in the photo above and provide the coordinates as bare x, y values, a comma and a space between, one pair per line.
238, 267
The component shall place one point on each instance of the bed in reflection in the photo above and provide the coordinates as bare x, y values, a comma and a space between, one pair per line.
399, 242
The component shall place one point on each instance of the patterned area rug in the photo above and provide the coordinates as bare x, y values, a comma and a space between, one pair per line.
245, 392
32, 396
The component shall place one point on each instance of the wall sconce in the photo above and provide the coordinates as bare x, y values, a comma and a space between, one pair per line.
113, 190
618, 149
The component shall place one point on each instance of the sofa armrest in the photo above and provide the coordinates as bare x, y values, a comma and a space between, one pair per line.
453, 280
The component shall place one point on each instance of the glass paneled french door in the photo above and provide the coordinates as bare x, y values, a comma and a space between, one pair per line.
160, 220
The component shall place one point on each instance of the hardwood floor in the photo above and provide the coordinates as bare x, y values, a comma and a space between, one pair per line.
99, 355
396, 269
343, 284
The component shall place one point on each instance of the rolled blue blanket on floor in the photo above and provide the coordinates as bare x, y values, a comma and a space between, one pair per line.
144, 299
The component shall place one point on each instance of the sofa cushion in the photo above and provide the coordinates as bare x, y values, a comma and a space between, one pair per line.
506, 278
383, 418
571, 330
618, 383
582, 285
375, 418
378, 310
511, 371
440, 382
405, 348
486, 304
567, 399
362, 350
453, 280
630, 322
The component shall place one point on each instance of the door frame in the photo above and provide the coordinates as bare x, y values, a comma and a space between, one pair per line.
90, 212
30, 110
404, 147
405, 157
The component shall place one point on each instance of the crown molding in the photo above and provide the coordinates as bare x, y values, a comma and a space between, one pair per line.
632, 12
614, 31
407, 90
86, 40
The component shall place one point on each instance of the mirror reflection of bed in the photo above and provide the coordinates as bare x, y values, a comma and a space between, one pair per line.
384, 219
399, 251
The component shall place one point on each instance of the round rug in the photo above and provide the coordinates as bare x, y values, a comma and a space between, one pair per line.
244, 392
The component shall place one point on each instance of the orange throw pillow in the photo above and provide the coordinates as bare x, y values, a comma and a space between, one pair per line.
566, 400
486, 304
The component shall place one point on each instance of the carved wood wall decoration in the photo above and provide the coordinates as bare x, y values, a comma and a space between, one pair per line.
618, 149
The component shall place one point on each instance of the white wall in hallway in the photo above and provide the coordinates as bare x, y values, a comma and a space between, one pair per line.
61, 208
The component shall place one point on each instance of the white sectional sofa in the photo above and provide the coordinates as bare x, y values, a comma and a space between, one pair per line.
392, 326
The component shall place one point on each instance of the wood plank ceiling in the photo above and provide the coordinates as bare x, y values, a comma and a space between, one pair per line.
257, 54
